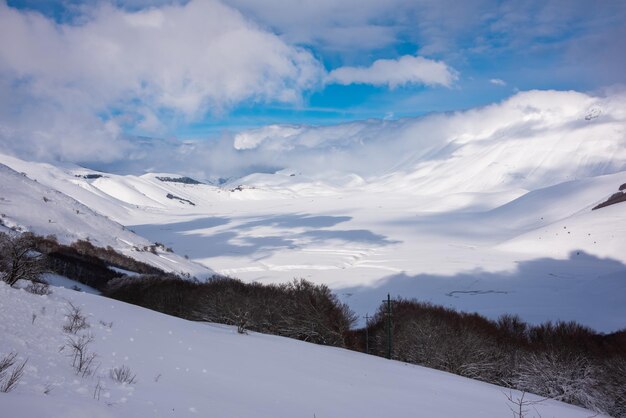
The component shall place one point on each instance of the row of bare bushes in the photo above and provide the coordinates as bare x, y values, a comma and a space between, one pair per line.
25, 256
299, 309
564, 361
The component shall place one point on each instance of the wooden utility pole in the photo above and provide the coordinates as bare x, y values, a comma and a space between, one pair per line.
367, 334
388, 314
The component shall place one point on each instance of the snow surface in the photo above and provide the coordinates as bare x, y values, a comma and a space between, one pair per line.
186, 369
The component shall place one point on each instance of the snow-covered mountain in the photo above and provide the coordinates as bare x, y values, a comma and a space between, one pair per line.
187, 369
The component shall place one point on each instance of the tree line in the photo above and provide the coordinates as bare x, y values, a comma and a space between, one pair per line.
565, 361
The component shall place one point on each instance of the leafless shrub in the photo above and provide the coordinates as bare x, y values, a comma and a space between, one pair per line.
567, 378
75, 320
6, 362
123, 374
48, 389
82, 358
97, 390
519, 405
38, 288
10, 378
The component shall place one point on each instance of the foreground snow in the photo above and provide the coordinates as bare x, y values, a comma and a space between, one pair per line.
194, 369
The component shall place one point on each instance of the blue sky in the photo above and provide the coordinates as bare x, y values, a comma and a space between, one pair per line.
197, 69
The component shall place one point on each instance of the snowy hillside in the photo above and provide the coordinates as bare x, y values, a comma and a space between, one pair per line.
28, 205
186, 369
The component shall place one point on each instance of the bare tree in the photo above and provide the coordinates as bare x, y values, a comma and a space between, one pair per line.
18, 259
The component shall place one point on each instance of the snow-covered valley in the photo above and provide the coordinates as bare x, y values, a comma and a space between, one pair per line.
492, 214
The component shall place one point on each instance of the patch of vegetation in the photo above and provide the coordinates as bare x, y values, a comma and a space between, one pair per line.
180, 199
89, 176
618, 197
183, 180
242, 187
615, 198
86, 263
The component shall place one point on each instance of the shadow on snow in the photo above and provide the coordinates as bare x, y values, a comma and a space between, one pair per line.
582, 288
197, 239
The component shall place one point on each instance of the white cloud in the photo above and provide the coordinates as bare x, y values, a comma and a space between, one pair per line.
405, 70
114, 66
344, 26
497, 82
459, 32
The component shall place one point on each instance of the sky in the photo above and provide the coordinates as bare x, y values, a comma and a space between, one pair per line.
79, 79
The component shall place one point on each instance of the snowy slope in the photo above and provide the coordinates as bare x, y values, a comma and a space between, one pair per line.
186, 369
30, 206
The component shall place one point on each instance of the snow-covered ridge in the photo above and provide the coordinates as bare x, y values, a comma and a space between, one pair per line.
27, 205
187, 369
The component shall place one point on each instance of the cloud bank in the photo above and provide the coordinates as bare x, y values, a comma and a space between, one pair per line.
70, 89
405, 70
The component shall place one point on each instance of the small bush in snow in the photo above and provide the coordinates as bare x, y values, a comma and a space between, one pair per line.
75, 320
10, 378
106, 324
123, 374
38, 288
520, 406
82, 358
97, 390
